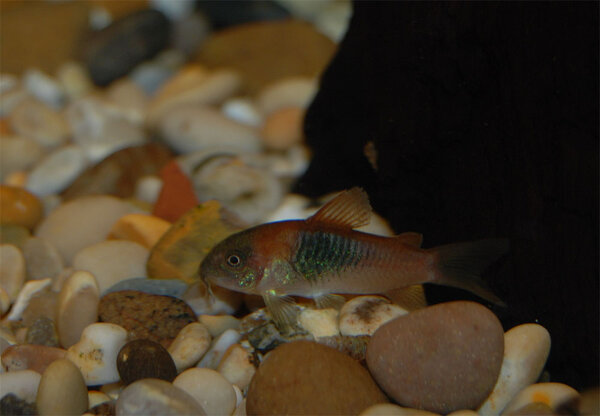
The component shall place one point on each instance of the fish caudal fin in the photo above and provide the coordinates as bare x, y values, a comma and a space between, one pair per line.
460, 265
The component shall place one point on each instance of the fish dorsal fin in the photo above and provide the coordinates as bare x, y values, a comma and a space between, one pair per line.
350, 209
410, 239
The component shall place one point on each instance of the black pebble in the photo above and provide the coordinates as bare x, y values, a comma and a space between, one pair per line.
143, 358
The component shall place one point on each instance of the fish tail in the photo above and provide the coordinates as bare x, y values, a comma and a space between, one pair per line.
460, 265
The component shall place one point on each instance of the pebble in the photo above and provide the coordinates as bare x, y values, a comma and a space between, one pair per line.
12, 270
130, 100
56, 171
143, 229
23, 384
18, 154
144, 316
77, 306
549, 394
219, 346
166, 287
82, 222
176, 197
4, 301
442, 358
96, 352
526, 348
41, 304
62, 390
236, 366
191, 128
190, 344
19, 207
142, 358
97, 397
363, 315
27, 294
42, 259
74, 79
283, 128
35, 120
114, 51
290, 92
240, 410
308, 378
389, 409
151, 397
12, 405
45, 88
119, 173
242, 110
147, 189
209, 388
112, 261
30, 357
217, 324
320, 322
42, 332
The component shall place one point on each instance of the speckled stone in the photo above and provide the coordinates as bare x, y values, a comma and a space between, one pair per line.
12, 405
308, 378
442, 358
42, 332
142, 358
144, 316
30, 357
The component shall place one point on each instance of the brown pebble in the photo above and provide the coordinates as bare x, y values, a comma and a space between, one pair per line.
42, 332
304, 377
143, 358
104, 409
19, 207
30, 357
155, 317
283, 128
442, 358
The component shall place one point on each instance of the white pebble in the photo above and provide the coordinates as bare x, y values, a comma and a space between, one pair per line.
236, 367
112, 261
55, 172
190, 345
82, 222
213, 356
12, 270
77, 307
35, 120
147, 189
239, 396
243, 111
364, 314
287, 92
29, 291
320, 322
526, 348
74, 79
44, 88
209, 388
153, 397
240, 409
550, 394
62, 390
23, 384
217, 324
96, 353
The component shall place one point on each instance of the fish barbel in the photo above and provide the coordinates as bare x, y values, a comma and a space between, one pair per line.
324, 255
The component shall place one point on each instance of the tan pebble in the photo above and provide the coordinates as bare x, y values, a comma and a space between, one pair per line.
113, 390
42, 259
465, 412
33, 119
363, 315
30, 357
209, 388
74, 79
389, 409
42, 332
12, 270
97, 397
287, 92
236, 367
112, 261
19, 206
128, 99
17, 179
320, 322
143, 229
189, 345
550, 394
14, 234
526, 348
77, 307
41, 305
4, 301
220, 345
283, 128
217, 324
23, 384
62, 390
18, 154
30, 291
240, 410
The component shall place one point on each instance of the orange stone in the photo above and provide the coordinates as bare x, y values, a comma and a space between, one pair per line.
177, 194
283, 128
19, 207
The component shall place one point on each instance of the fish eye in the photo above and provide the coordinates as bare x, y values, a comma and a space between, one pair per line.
234, 260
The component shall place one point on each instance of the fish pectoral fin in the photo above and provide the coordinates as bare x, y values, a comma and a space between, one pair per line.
330, 301
410, 239
350, 209
282, 310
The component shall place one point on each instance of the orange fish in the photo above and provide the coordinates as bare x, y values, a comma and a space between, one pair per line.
324, 255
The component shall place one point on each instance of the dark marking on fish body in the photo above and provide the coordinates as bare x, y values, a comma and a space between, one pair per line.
321, 253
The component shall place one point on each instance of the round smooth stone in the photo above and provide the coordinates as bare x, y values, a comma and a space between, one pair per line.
143, 229
35, 120
219, 346
82, 222
18, 154
42, 259
363, 315
190, 344
96, 353
243, 111
217, 324
165, 287
304, 377
320, 322
19, 207
77, 306
288, 92
142, 358
12, 270
151, 397
526, 348
442, 358
236, 366
23, 384
30, 357
62, 390
57, 171
44, 88
112, 261
209, 388
551, 395
283, 128
389, 409
144, 316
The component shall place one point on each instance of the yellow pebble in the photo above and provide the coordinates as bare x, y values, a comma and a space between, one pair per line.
19, 207
143, 229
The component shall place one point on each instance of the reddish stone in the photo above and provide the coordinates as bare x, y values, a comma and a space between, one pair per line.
177, 194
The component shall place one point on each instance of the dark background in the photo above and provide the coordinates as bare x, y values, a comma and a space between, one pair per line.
485, 121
